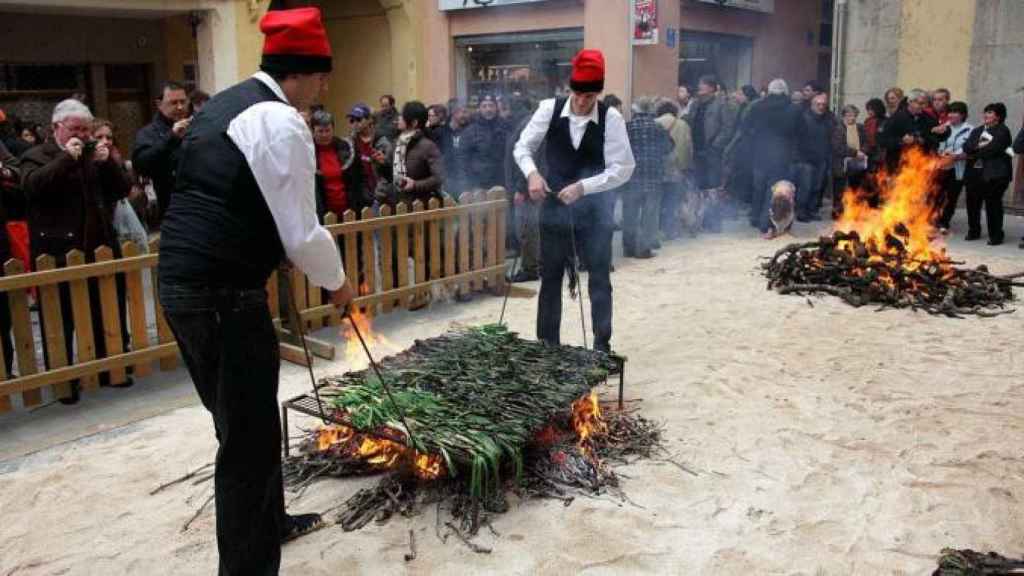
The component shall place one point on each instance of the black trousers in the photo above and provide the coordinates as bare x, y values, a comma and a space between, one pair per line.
229, 345
949, 195
590, 219
989, 194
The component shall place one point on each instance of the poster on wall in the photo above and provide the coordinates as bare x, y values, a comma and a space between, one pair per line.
645, 22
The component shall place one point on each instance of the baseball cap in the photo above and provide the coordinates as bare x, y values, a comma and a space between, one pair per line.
360, 111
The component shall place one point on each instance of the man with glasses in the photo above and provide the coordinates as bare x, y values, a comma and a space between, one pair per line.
71, 186
371, 152
588, 153
158, 144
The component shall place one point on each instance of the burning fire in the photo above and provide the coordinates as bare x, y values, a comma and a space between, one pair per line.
380, 453
586, 418
904, 219
354, 354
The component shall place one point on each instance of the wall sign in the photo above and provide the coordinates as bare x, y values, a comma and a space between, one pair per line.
757, 5
645, 22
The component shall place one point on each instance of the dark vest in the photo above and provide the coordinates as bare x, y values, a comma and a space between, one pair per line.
565, 163
218, 229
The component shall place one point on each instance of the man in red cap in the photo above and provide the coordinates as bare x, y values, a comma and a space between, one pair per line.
243, 203
587, 154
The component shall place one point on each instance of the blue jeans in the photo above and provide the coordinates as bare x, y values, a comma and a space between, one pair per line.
810, 183
228, 341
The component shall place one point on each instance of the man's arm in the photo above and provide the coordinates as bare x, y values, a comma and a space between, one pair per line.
618, 157
151, 149
279, 149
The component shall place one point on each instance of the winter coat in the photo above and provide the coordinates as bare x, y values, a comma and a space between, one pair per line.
903, 123
1018, 143
680, 160
717, 123
996, 164
814, 138
70, 202
155, 155
449, 141
840, 151
515, 181
650, 143
772, 126
386, 125
482, 153
359, 196
423, 163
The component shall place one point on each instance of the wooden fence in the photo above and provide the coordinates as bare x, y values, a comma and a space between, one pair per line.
397, 258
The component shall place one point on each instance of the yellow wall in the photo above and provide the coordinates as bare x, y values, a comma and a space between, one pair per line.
179, 46
248, 37
362, 63
935, 47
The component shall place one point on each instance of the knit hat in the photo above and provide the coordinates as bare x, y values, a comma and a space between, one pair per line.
295, 42
587, 71
360, 112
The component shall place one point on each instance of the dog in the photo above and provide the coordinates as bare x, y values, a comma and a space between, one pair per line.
696, 206
781, 210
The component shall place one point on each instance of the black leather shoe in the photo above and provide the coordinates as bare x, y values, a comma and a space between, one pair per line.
644, 255
996, 241
300, 525
972, 236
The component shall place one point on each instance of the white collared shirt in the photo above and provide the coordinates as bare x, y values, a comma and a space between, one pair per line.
278, 147
618, 156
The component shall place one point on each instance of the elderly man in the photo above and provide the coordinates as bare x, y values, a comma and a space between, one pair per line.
641, 202
482, 147
910, 127
814, 157
587, 153
71, 186
772, 126
244, 203
158, 144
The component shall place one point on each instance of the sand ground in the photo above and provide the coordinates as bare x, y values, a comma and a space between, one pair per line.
826, 440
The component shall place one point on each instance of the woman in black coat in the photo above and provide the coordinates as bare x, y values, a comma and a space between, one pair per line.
989, 171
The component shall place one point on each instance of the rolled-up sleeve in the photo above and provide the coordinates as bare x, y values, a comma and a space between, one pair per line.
278, 147
618, 157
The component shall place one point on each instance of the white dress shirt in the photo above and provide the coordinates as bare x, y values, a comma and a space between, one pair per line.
278, 146
618, 156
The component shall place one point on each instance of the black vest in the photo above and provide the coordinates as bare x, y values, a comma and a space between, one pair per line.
218, 229
565, 163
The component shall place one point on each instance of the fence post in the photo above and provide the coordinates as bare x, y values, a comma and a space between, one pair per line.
498, 233
163, 330
351, 253
419, 254
330, 219
479, 239
434, 241
52, 318
136, 309
24, 343
110, 311
402, 241
81, 311
465, 201
387, 259
369, 261
449, 244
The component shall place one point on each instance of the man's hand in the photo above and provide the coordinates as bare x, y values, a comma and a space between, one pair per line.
940, 128
908, 139
342, 297
180, 127
537, 186
378, 156
102, 153
519, 199
571, 193
406, 184
74, 148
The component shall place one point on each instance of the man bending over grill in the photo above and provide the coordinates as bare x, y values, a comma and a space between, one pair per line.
587, 153
244, 201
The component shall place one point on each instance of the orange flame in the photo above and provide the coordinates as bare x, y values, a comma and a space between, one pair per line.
905, 215
353, 353
586, 418
380, 453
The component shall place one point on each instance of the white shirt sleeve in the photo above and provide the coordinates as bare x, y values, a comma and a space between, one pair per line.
278, 146
532, 137
618, 156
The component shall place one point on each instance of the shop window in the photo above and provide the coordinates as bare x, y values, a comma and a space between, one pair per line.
537, 65
725, 56
43, 77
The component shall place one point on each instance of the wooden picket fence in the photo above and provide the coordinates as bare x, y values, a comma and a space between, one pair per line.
398, 259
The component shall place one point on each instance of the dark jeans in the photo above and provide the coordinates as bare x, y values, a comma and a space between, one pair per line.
593, 231
991, 195
96, 312
671, 199
949, 195
229, 345
641, 214
810, 184
709, 175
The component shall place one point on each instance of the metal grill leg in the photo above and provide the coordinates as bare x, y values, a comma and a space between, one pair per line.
622, 380
284, 428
